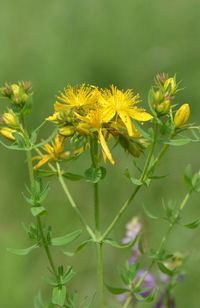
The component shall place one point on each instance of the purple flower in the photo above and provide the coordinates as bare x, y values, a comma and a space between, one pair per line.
132, 230
149, 282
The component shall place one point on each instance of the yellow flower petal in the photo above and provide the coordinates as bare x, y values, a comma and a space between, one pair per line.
127, 121
105, 148
139, 114
43, 161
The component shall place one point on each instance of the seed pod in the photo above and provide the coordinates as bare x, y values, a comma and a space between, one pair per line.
182, 115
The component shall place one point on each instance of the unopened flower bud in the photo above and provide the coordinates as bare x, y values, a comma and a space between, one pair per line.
163, 108
177, 259
170, 85
66, 131
182, 115
83, 128
26, 85
9, 118
129, 145
15, 89
7, 133
161, 78
6, 91
24, 97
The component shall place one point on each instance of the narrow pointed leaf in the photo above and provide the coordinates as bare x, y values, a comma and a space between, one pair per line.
46, 173
111, 242
175, 142
38, 211
116, 290
72, 176
23, 251
165, 270
194, 224
58, 296
46, 140
66, 239
79, 248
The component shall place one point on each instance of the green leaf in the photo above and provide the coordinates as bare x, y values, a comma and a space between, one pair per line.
94, 175
165, 270
58, 295
20, 140
194, 224
111, 242
140, 246
49, 281
72, 176
44, 194
46, 140
188, 176
38, 211
151, 296
79, 248
152, 216
27, 108
66, 239
46, 173
34, 133
141, 131
139, 297
13, 147
116, 290
175, 142
28, 200
133, 180
68, 277
22, 252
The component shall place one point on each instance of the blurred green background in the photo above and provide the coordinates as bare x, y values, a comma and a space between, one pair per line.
56, 42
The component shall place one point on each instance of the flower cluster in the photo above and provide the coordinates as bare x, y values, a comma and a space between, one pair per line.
86, 110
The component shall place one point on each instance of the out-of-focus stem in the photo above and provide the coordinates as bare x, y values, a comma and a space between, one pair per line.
72, 202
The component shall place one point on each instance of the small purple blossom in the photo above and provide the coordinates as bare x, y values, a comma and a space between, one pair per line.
149, 282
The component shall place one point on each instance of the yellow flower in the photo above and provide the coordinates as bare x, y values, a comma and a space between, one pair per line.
54, 152
77, 97
116, 102
95, 119
182, 115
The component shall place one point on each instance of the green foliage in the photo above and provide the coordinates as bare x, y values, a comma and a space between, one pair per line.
65, 239
94, 175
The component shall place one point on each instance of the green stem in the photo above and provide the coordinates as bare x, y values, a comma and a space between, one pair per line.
72, 202
32, 182
127, 302
99, 244
164, 239
96, 209
144, 175
46, 247
100, 274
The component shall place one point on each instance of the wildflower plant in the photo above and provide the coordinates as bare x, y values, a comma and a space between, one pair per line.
86, 118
